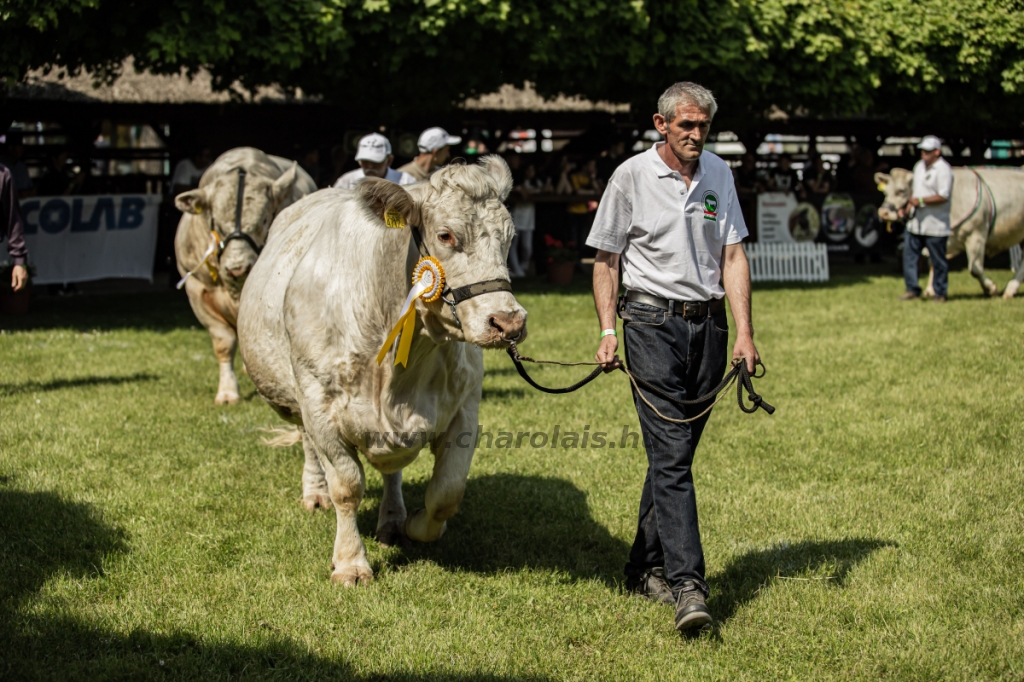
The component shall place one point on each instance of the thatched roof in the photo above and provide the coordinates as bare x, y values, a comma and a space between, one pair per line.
141, 88
147, 88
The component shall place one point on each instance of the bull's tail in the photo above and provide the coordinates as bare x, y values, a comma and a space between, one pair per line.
282, 437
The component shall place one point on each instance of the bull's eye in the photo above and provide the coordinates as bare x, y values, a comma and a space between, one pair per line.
446, 238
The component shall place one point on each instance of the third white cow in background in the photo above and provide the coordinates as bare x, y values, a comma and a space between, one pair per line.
986, 216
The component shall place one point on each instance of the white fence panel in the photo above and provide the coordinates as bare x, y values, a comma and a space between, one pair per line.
780, 262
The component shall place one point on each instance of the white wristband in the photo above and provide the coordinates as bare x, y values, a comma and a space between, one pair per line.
608, 332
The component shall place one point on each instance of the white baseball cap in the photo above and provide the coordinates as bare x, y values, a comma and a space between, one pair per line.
929, 143
433, 139
374, 147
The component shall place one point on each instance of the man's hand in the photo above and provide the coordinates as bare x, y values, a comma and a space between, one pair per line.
606, 353
19, 277
745, 349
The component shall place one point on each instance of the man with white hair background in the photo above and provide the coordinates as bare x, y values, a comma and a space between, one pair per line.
671, 220
433, 146
929, 226
374, 157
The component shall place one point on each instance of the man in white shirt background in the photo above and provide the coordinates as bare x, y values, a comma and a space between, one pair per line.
433, 145
188, 171
671, 220
929, 225
374, 157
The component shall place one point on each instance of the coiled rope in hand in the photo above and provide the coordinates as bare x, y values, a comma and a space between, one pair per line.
738, 374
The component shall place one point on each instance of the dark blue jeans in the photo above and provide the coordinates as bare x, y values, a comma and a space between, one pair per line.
684, 359
912, 246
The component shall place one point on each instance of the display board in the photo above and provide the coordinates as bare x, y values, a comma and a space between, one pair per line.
82, 238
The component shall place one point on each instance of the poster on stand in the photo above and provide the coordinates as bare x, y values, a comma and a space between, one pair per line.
773, 212
83, 238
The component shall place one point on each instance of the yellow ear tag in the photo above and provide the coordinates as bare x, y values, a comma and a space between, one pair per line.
393, 218
199, 209
427, 285
881, 187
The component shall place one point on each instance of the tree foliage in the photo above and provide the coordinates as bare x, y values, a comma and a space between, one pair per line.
903, 58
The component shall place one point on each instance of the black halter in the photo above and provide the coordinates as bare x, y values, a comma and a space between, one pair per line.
238, 234
453, 297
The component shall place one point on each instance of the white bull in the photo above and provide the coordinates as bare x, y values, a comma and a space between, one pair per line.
216, 265
986, 214
319, 305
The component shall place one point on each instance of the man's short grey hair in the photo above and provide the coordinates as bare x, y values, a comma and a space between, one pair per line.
686, 92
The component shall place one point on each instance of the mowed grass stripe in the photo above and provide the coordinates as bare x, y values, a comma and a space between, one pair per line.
871, 529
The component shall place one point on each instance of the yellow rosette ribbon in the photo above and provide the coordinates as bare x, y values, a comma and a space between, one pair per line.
210, 250
427, 284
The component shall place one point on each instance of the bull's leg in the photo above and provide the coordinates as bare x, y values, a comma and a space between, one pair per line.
314, 481
929, 291
975, 248
391, 518
225, 341
345, 483
1014, 284
448, 481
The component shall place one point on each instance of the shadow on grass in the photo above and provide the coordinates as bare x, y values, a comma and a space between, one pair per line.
509, 521
154, 311
43, 535
830, 561
58, 384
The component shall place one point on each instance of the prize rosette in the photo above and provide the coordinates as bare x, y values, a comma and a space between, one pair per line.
427, 285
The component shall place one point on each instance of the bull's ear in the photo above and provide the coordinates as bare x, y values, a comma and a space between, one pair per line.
383, 197
283, 185
882, 179
499, 170
193, 201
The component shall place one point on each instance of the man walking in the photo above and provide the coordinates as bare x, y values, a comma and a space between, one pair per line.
670, 220
433, 146
929, 227
374, 157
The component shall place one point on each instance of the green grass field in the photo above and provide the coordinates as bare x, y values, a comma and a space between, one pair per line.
873, 528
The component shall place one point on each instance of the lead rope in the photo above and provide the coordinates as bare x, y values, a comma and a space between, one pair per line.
739, 373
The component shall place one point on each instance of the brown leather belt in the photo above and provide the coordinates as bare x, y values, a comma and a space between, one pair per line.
687, 309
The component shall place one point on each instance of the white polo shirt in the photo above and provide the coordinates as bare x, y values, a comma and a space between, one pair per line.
932, 220
352, 178
671, 238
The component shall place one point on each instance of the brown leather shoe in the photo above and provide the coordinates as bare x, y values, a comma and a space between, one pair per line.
939, 299
909, 296
691, 611
651, 585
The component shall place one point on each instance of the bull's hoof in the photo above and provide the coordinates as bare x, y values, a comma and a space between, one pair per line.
422, 529
352, 575
392, 534
1011, 289
225, 398
991, 289
314, 500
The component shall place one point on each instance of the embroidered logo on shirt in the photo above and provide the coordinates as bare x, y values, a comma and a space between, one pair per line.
710, 202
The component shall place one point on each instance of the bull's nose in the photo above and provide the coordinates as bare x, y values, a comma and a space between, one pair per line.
510, 325
239, 273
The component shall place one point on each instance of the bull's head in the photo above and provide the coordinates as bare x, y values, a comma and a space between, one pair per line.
464, 224
261, 199
897, 187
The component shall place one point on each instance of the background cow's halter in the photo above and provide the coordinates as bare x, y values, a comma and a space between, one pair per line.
453, 297
237, 234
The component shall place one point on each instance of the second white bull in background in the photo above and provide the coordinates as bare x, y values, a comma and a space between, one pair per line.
318, 307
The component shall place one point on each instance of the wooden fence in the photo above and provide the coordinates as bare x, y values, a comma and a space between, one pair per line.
772, 262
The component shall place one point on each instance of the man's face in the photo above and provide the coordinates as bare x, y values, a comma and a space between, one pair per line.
441, 156
932, 156
375, 170
687, 132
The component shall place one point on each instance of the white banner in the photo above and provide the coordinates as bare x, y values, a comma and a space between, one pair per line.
773, 211
77, 239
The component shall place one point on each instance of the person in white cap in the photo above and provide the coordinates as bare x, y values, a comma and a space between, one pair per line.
929, 226
433, 146
374, 157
